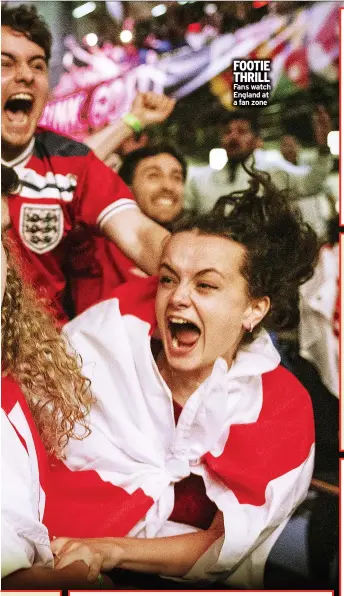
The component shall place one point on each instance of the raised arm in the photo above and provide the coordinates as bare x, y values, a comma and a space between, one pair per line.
138, 236
147, 108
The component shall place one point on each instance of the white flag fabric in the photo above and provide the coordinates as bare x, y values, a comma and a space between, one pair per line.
319, 316
247, 431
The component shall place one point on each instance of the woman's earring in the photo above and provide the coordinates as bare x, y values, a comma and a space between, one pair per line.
251, 327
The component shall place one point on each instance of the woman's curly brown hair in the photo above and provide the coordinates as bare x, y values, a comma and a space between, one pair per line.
281, 249
37, 356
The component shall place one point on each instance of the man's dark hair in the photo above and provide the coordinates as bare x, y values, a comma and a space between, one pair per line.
281, 249
225, 117
132, 159
9, 181
25, 19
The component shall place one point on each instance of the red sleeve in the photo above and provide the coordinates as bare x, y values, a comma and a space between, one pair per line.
100, 193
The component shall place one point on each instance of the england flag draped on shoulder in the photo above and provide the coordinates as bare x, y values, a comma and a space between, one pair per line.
247, 431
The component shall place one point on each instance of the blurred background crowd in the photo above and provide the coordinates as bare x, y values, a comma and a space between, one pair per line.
104, 52
186, 48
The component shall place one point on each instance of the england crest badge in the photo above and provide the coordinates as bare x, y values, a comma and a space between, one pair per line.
41, 226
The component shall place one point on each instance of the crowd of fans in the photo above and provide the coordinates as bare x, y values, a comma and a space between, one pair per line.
177, 444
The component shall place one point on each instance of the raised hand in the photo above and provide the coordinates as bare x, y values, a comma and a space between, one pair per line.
152, 108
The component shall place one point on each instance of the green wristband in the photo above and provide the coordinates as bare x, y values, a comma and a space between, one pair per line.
134, 123
100, 578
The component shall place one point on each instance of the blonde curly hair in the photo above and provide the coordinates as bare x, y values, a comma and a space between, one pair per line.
39, 358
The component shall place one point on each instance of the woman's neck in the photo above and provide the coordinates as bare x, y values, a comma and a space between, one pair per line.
181, 383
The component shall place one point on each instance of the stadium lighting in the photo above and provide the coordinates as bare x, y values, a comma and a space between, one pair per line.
158, 10
126, 36
218, 158
91, 39
83, 10
210, 9
333, 141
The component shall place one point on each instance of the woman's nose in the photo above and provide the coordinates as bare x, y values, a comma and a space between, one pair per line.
181, 296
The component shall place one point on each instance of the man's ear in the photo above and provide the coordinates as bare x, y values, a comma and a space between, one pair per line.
255, 313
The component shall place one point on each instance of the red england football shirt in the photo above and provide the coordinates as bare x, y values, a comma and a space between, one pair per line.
64, 188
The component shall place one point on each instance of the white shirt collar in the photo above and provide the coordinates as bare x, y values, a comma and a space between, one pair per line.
21, 159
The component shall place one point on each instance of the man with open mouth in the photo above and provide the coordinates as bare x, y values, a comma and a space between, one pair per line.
64, 186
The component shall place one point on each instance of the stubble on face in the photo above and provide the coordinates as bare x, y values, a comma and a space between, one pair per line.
158, 187
239, 140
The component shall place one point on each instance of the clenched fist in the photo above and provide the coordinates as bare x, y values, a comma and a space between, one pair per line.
152, 108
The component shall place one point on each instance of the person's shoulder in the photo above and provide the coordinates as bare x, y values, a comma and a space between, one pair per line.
7, 382
59, 145
284, 393
285, 379
10, 393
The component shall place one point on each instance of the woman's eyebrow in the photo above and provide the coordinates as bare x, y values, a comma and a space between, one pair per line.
168, 268
210, 270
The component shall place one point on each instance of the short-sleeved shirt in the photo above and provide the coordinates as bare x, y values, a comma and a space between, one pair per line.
64, 187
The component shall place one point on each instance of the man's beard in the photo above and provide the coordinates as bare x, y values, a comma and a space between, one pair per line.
235, 162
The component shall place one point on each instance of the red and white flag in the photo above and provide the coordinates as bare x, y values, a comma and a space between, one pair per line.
247, 432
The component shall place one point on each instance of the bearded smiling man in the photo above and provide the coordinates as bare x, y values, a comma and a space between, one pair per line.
156, 176
64, 186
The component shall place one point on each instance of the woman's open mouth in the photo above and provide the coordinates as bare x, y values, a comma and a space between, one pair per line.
18, 108
183, 334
